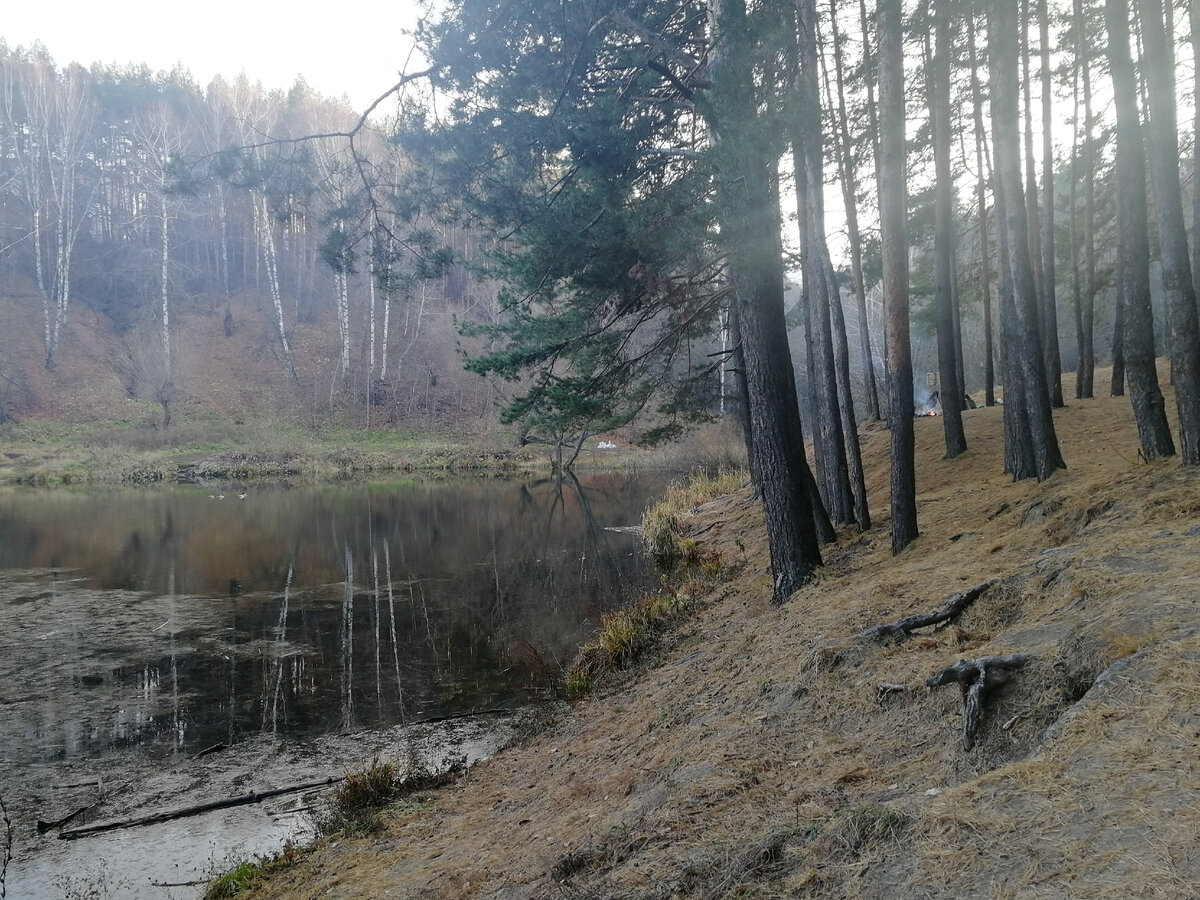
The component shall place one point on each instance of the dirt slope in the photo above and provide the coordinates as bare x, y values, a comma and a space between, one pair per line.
757, 758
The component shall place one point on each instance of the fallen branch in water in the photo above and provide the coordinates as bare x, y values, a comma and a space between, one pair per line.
43, 826
169, 815
8, 844
954, 606
976, 677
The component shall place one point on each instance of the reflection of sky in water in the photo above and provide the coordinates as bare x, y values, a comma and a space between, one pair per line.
169, 619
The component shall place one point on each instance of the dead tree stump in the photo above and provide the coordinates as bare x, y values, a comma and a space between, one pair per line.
976, 677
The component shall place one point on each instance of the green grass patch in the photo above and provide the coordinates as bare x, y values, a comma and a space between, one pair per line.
662, 536
626, 634
250, 874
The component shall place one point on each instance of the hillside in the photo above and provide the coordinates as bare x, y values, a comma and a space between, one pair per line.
758, 756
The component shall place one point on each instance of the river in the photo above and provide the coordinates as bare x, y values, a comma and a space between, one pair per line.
297, 631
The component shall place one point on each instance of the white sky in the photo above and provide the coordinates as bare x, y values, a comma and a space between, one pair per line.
340, 48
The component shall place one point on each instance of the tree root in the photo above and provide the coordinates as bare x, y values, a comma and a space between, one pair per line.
975, 677
901, 628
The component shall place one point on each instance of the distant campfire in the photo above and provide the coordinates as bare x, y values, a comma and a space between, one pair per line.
925, 406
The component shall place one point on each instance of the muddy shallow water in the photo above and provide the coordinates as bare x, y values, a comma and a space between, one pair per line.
303, 629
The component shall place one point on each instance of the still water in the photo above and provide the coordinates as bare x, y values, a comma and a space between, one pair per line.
297, 627
179, 618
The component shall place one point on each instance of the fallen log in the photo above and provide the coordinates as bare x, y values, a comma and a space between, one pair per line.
954, 606
43, 826
976, 677
169, 815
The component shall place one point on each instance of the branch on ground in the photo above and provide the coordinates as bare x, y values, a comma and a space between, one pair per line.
953, 607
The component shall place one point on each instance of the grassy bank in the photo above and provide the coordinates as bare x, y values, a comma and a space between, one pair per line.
49, 453
39, 452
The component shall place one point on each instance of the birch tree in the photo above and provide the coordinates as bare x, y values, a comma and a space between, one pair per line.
49, 117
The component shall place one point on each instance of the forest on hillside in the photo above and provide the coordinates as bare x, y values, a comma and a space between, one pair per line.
599, 208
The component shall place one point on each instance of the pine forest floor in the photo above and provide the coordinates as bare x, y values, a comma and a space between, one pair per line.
757, 756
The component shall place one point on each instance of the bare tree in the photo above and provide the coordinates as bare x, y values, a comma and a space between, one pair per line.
49, 117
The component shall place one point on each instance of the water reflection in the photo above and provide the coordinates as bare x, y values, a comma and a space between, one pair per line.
175, 620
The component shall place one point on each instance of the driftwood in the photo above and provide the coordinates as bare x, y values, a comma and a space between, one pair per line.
43, 826
976, 677
954, 606
167, 816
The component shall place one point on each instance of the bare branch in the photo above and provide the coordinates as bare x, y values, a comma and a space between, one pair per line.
697, 71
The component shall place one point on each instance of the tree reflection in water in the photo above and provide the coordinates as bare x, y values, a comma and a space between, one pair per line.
171, 620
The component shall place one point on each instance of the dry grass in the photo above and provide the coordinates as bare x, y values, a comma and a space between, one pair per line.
732, 768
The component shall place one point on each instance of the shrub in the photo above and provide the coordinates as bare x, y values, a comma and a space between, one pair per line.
355, 806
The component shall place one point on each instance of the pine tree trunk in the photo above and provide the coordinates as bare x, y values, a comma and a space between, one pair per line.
751, 223
841, 355
842, 143
985, 275
1194, 19
1031, 422
1134, 259
938, 91
1033, 222
1178, 289
893, 225
1073, 232
1049, 291
830, 442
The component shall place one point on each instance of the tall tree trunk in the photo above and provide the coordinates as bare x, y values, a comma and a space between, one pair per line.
1087, 353
892, 222
1117, 382
165, 258
849, 180
1033, 222
1049, 292
1073, 230
830, 439
271, 264
751, 220
1134, 261
1025, 372
981, 187
938, 91
841, 357
1178, 289
1194, 19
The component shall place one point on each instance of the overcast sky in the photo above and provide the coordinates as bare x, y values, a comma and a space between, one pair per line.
337, 52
